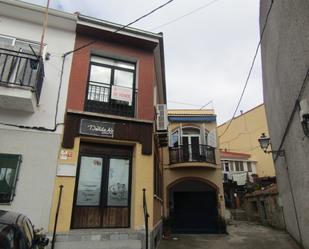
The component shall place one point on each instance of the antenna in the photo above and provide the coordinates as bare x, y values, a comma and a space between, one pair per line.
44, 28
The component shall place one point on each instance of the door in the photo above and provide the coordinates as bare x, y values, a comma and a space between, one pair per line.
191, 147
102, 191
195, 212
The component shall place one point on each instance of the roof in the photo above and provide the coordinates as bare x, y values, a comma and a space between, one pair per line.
112, 27
192, 119
34, 13
233, 155
190, 112
270, 190
244, 113
191, 115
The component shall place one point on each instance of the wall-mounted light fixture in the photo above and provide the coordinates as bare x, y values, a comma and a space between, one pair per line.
265, 142
304, 115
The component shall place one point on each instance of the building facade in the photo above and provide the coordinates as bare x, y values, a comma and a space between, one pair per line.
238, 170
193, 191
264, 206
242, 137
109, 154
32, 104
285, 62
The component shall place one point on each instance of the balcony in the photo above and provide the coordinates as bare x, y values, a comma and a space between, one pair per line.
192, 154
99, 100
21, 80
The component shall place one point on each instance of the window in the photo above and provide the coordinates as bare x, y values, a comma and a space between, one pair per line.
227, 168
118, 182
249, 166
175, 139
18, 61
111, 86
232, 166
9, 166
239, 166
18, 44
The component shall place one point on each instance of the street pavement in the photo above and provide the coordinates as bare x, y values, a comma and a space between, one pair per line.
241, 235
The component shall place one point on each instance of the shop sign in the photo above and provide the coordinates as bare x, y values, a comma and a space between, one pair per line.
96, 128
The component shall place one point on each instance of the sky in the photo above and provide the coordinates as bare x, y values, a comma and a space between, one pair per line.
208, 54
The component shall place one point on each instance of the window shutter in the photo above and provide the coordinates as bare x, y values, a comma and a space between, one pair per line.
212, 138
9, 166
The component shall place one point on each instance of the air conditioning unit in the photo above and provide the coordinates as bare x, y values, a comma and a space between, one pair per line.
162, 120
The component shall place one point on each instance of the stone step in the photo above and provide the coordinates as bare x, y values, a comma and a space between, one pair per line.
100, 239
107, 244
239, 214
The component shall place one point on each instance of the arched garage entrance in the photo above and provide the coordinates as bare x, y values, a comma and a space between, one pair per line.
193, 206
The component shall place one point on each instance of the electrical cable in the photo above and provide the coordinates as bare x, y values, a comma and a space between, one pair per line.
250, 70
185, 15
40, 128
120, 28
183, 103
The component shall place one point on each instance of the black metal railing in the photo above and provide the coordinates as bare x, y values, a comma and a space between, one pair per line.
192, 153
56, 217
146, 217
98, 100
21, 69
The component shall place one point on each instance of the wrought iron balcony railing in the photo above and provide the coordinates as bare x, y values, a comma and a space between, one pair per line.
21, 69
192, 153
98, 100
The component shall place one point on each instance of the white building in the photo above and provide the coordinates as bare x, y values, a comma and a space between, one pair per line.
237, 167
32, 104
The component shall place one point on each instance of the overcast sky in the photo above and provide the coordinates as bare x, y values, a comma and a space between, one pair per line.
208, 54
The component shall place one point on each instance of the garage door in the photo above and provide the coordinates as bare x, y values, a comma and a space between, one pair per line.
195, 212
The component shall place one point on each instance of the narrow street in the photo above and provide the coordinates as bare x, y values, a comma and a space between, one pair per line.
242, 235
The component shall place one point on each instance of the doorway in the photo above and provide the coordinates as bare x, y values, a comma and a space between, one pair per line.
103, 187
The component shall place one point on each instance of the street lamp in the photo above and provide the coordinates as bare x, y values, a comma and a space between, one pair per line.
265, 142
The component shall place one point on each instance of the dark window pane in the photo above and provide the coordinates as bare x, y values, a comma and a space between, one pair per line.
9, 165
249, 166
175, 139
118, 182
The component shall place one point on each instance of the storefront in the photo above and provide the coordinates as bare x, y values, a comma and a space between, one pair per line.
111, 162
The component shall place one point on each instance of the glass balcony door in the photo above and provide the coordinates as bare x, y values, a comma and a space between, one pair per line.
190, 145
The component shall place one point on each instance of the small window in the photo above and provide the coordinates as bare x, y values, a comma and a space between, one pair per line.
9, 166
232, 166
249, 166
111, 80
118, 182
239, 166
175, 139
227, 168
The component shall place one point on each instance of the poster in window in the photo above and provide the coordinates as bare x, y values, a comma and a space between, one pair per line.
118, 182
89, 185
122, 94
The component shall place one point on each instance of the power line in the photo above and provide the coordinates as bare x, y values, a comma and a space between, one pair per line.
40, 128
183, 103
250, 71
185, 15
122, 27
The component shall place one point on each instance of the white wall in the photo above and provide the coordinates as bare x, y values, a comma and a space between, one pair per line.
58, 42
38, 149
37, 172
